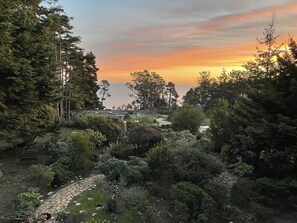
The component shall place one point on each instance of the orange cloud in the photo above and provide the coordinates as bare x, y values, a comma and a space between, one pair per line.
197, 59
178, 53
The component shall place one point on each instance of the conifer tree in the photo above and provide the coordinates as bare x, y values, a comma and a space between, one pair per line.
28, 86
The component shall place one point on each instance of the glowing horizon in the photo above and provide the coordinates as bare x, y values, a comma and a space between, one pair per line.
176, 39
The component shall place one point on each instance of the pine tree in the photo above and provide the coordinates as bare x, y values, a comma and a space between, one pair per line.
264, 66
266, 123
203, 95
28, 72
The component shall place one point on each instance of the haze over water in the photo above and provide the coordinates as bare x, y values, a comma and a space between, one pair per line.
120, 94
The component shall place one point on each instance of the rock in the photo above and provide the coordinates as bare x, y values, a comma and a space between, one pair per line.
99, 206
77, 204
49, 193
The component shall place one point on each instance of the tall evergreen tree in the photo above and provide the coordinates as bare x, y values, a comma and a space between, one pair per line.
266, 123
28, 86
264, 66
202, 95
38, 55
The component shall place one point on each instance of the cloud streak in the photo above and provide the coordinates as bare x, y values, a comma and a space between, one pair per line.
173, 35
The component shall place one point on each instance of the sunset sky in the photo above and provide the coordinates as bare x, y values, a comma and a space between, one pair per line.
175, 38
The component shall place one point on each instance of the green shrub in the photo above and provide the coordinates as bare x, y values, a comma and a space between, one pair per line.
226, 153
220, 124
28, 201
121, 150
132, 171
112, 168
243, 193
68, 123
111, 127
220, 194
59, 150
159, 163
129, 198
62, 170
277, 193
96, 139
241, 169
183, 139
187, 118
45, 174
179, 212
136, 171
201, 206
130, 125
181, 164
80, 146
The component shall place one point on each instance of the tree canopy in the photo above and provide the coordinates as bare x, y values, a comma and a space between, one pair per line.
41, 66
151, 91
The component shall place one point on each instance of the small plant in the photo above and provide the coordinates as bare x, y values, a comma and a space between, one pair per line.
121, 150
241, 169
59, 149
28, 201
96, 139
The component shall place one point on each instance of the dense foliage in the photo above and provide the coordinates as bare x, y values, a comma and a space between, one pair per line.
143, 138
187, 118
28, 81
257, 137
111, 127
41, 67
176, 175
151, 91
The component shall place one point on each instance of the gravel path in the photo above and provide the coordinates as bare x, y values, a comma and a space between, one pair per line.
59, 201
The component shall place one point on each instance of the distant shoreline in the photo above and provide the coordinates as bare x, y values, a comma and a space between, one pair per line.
120, 94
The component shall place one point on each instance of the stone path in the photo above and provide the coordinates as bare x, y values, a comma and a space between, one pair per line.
59, 201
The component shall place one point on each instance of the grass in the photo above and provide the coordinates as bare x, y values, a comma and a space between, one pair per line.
206, 121
100, 195
129, 216
88, 201
16, 179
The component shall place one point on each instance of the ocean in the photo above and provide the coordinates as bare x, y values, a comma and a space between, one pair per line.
120, 94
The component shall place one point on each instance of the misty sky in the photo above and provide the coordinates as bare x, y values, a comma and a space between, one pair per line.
175, 38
